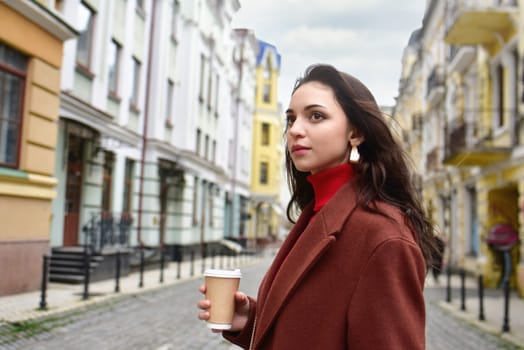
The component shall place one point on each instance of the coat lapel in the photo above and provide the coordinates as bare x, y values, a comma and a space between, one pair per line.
308, 248
301, 250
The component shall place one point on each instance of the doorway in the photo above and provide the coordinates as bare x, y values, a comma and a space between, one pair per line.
75, 167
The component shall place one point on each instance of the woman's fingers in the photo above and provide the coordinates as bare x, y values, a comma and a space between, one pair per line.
203, 304
241, 299
202, 289
204, 315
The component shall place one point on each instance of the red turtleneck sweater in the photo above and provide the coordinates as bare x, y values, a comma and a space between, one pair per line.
326, 183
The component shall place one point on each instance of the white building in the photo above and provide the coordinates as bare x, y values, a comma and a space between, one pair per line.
155, 138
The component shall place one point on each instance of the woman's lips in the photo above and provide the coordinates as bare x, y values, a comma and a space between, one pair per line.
299, 149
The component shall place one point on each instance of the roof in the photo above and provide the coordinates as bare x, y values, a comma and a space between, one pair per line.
265, 49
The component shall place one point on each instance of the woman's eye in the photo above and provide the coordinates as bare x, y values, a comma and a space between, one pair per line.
317, 116
290, 119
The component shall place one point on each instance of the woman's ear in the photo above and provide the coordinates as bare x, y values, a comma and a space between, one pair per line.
355, 138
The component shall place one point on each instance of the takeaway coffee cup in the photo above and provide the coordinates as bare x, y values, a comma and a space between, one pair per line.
221, 286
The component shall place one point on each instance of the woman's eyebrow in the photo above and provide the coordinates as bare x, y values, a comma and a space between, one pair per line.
314, 106
308, 107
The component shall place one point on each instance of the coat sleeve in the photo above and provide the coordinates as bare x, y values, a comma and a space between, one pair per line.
387, 310
243, 337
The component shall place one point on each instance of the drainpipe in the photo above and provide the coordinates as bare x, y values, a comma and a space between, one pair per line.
144, 128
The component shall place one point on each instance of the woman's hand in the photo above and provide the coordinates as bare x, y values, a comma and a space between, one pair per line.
241, 310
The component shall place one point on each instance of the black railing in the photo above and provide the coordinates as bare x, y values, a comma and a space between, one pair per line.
107, 229
463, 135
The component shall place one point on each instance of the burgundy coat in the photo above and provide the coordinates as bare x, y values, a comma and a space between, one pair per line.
349, 279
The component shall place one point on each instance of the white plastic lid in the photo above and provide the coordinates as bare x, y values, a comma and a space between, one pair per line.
223, 273
219, 325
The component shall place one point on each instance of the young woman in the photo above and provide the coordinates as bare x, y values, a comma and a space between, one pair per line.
350, 274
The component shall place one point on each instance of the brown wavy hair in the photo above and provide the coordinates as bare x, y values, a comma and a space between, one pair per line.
384, 167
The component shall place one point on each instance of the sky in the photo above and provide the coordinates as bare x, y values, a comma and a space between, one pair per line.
365, 38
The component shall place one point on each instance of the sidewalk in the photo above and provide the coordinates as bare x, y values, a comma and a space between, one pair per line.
65, 297
493, 307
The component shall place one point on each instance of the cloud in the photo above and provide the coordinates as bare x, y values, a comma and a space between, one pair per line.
364, 38
318, 40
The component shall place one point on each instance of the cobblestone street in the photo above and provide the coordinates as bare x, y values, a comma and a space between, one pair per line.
165, 319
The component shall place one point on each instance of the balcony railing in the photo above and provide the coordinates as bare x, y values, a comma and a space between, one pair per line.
469, 144
107, 229
480, 22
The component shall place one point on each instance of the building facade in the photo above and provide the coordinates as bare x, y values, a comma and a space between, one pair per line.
467, 132
134, 124
30, 72
267, 148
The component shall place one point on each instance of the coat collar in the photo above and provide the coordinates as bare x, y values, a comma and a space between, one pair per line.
305, 244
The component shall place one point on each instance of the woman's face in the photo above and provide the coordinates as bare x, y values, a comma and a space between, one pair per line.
317, 129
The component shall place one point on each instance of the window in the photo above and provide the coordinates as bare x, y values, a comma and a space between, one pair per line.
217, 84
197, 145
109, 162
265, 134
169, 101
202, 71
114, 67
176, 9
209, 89
264, 173
500, 73
85, 22
267, 93
230, 157
135, 82
195, 201
13, 68
128, 185
474, 237
206, 147
267, 69
214, 150
211, 203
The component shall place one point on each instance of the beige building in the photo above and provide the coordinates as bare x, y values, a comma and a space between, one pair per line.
30, 62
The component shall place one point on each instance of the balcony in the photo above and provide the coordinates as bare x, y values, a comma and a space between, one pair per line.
435, 86
469, 145
481, 22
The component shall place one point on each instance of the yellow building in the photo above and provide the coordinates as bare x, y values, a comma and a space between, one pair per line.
485, 132
31, 39
267, 151
472, 151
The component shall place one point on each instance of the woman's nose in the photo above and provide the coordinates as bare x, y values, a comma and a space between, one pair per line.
296, 129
